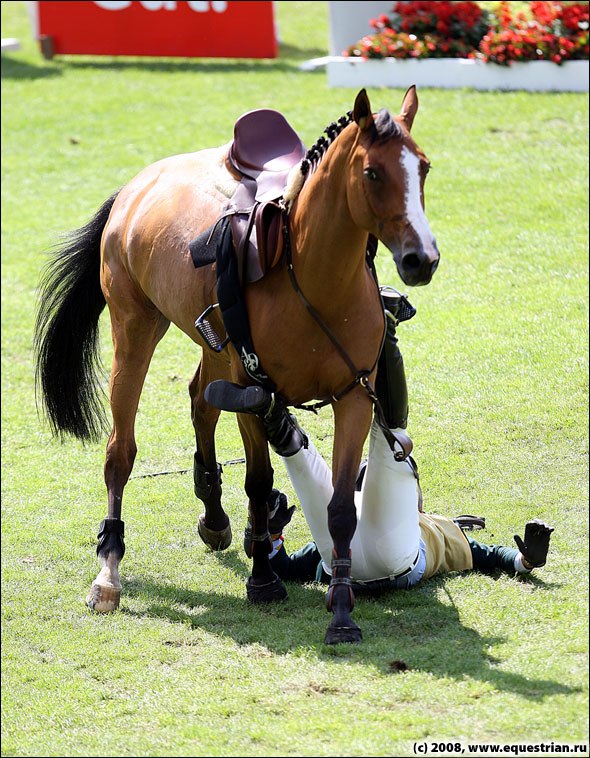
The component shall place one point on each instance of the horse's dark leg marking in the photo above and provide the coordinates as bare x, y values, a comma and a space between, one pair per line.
351, 414
214, 526
340, 599
264, 585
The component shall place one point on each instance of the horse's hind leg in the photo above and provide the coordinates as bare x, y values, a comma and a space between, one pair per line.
214, 527
135, 335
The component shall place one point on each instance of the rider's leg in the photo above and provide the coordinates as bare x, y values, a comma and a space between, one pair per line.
388, 530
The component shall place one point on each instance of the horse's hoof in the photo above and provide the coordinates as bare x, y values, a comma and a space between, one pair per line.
103, 599
337, 634
215, 540
266, 593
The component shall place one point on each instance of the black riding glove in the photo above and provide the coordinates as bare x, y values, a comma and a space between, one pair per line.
535, 546
279, 514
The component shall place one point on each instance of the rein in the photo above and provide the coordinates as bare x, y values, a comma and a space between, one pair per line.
360, 376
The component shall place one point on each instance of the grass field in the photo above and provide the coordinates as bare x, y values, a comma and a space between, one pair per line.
497, 363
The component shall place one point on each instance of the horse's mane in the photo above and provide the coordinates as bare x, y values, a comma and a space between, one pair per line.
384, 128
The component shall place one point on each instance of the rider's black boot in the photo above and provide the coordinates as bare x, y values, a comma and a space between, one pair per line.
390, 384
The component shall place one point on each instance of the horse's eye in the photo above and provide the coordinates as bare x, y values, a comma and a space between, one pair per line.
371, 174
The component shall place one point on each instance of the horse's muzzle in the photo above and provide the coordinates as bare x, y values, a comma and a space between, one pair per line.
416, 264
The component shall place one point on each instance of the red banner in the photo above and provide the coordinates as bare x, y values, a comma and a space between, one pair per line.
179, 29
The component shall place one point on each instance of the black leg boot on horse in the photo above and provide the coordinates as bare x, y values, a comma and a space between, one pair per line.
105, 592
263, 586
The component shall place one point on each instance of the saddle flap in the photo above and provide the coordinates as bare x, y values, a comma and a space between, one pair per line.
269, 235
258, 241
245, 247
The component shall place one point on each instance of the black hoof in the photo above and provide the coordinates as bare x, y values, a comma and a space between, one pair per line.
215, 540
337, 634
266, 593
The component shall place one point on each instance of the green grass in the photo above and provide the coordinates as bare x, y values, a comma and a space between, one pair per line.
497, 363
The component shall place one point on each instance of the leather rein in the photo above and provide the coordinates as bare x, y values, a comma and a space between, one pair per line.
399, 442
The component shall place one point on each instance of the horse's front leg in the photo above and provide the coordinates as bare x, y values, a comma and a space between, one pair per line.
264, 586
352, 419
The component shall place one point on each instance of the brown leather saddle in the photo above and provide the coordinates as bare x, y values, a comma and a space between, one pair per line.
264, 150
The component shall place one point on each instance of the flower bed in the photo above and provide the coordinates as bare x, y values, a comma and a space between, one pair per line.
452, 44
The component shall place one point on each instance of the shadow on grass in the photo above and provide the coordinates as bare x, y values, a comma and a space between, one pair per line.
181, 65
13, 68
403, 630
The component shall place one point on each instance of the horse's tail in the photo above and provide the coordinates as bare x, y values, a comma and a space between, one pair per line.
66, 333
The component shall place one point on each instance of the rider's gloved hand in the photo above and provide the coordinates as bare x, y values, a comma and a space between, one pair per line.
535, 546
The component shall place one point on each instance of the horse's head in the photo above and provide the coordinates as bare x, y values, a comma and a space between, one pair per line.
386, 192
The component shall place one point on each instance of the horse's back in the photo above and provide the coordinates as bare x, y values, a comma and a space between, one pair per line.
153, 220
186, 188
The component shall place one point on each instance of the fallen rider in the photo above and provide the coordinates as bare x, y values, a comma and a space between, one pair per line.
395, 545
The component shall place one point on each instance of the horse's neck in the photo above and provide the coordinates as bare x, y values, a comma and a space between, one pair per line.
328, 247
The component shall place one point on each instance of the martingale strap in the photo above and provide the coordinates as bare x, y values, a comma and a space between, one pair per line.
401, 445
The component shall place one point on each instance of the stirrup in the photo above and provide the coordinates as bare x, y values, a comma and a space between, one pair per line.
469, 523
227, 396
208, 333
397, 306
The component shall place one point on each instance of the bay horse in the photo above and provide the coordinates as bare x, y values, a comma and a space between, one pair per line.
133, 256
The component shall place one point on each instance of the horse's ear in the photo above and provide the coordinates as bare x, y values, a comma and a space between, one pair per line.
362, 110
409, 107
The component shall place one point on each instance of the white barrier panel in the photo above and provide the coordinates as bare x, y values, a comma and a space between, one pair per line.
456, 73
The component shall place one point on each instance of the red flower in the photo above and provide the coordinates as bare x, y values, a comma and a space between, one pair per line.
547, 30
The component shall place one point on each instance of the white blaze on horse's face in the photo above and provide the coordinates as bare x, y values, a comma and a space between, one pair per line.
413, 195
418, 258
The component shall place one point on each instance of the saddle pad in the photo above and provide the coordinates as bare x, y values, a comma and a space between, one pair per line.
203, 254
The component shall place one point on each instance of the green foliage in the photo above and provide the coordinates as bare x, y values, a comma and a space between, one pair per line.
497, 369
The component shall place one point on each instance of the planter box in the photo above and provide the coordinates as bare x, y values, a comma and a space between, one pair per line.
455, 73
